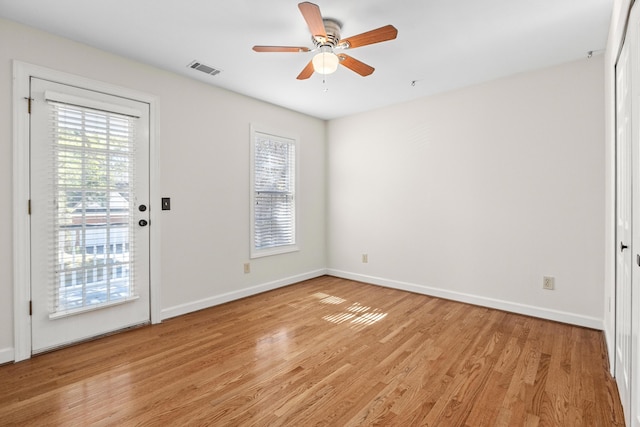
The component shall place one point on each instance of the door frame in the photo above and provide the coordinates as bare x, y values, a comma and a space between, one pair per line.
22, 72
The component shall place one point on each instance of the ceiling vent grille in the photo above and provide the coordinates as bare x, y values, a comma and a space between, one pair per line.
204, 68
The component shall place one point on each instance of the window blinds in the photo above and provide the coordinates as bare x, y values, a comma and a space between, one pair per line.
274, 191
92, 190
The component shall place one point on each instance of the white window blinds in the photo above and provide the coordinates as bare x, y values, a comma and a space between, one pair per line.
93, 155
274, 207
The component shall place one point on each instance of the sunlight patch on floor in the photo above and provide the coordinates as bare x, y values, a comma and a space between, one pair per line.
339, 317
357, 315
329, 299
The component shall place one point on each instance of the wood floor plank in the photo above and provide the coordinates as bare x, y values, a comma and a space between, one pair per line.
324, 352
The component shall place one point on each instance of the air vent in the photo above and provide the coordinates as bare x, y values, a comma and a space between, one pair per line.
204, 68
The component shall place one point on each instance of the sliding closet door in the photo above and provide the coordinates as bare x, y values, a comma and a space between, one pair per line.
627, 369
623, 228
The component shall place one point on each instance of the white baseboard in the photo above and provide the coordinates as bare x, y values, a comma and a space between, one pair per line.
514, 307
7, 355
178, 310
608, 342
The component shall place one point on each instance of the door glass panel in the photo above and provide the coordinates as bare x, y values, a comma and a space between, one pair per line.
94, 168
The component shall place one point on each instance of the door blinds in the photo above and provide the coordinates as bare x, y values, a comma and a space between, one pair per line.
93, 168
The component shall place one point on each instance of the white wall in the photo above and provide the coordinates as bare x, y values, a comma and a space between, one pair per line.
477, 194
204, 168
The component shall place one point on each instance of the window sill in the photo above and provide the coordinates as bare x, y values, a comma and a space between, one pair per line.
273, 251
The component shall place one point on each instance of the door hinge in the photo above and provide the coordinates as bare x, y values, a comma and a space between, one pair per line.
29, 104
30, 308
29, 206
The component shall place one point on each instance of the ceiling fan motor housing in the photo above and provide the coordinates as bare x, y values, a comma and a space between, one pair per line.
332, 28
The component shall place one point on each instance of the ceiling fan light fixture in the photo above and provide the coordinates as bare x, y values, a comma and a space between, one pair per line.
325, 62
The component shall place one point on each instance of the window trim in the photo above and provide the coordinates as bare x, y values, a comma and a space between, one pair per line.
294, 247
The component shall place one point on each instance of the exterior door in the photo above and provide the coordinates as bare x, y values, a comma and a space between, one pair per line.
89, 191
623, 228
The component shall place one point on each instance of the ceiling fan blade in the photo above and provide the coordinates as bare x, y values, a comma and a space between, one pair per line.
280, 49
307, 72
311, 14
355, 65
382, 34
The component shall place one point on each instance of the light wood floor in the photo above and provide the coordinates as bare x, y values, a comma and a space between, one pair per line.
325, 352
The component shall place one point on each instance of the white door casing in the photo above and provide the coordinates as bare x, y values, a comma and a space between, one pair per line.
633, 37
23, 73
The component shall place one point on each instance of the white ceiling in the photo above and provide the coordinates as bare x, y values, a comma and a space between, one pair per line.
441, 44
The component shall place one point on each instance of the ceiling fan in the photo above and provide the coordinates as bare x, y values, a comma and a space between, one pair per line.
325, 34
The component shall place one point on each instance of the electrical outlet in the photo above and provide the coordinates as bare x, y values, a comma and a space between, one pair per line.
548, 283
247, 268
365, 258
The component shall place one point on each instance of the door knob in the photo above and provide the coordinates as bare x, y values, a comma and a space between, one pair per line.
142, 222
623, 246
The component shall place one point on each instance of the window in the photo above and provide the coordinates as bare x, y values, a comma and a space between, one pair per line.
92, 199
273, 194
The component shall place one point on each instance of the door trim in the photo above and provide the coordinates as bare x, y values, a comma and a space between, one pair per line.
22, 72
